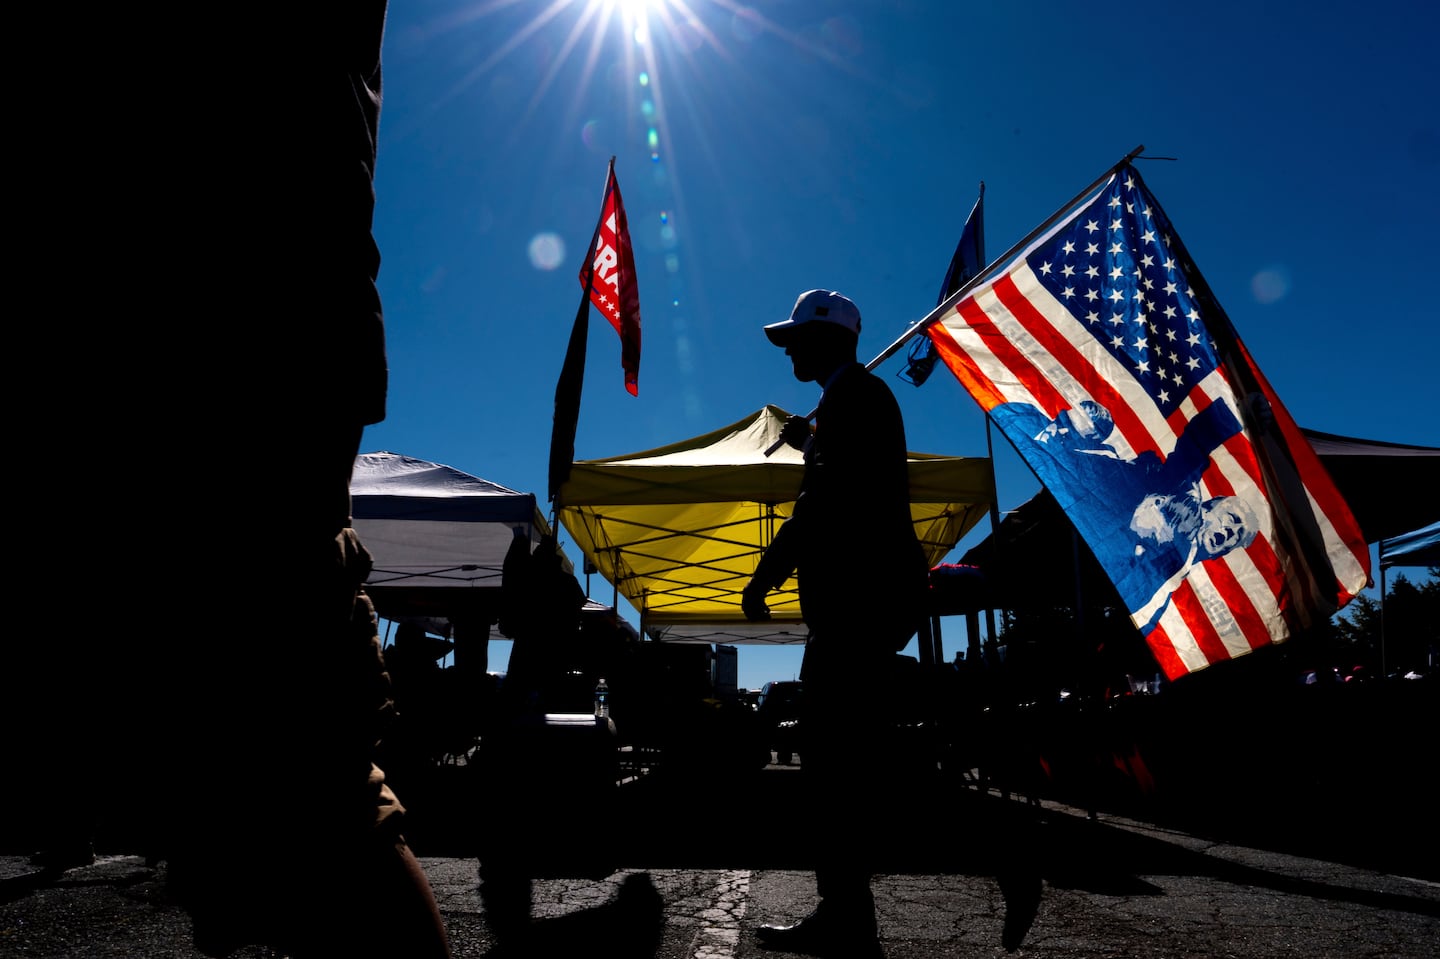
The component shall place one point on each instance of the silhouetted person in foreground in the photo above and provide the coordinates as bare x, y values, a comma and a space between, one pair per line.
537, 781
204, 203
863, 586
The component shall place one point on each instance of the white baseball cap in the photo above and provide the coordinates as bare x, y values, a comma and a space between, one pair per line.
816, 306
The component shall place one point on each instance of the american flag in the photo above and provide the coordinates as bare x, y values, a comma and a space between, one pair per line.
1103, 356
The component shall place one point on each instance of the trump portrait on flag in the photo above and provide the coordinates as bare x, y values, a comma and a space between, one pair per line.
1101, 354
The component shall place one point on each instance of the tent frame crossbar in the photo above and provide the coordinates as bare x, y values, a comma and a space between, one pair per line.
713, 565
671, 534
440, 574
680, 598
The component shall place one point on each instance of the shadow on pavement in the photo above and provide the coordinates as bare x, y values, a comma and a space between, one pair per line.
630, 926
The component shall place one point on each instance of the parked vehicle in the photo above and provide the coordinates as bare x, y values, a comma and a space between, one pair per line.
778, 712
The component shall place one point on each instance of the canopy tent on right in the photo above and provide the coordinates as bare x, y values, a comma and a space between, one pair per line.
1390, 486
678, 529
1419, 547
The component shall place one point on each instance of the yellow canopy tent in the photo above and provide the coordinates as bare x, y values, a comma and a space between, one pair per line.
678, 529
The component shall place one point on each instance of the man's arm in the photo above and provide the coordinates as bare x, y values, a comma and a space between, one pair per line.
775, 566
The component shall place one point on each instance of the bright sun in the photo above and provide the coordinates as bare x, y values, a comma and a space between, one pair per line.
634, 9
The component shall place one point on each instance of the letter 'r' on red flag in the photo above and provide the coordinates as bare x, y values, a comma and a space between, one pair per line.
610, 277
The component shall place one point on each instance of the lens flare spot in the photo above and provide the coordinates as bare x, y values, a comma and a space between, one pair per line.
664, 216
652, 138
647, 109
644, 79
1270, 284
667, 236
746, 24
547, 251
689, 35
590, 134
654, 158
672, 263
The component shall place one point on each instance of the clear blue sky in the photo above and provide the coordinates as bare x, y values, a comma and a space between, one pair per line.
770, 148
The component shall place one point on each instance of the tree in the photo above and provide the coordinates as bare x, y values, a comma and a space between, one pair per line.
1409, 623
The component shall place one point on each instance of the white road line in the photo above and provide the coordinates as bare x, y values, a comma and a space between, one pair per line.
719, 934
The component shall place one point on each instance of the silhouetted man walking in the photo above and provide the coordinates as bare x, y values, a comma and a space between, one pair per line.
863, 581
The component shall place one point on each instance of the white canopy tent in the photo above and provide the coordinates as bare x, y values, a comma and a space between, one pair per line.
439, 537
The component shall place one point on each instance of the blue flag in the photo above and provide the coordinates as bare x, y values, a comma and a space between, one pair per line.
968, 260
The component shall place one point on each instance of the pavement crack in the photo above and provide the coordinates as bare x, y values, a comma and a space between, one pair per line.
719, 934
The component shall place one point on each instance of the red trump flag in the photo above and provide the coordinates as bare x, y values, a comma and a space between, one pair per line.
1102, 354
608, 281
610, 277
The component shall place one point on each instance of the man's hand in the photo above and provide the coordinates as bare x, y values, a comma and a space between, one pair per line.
796, 432
752, 602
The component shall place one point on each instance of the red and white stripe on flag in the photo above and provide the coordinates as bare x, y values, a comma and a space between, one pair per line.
1106, 307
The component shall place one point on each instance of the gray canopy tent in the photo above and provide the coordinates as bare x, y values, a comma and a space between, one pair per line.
439, 538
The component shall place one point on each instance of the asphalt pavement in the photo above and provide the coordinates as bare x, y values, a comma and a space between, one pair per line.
697, 868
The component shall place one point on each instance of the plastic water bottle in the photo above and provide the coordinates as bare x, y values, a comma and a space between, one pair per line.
602, 700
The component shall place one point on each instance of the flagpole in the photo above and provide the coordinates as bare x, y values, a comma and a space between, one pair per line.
949, 302
994, 529
600, 223
1383, 664
572, 370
